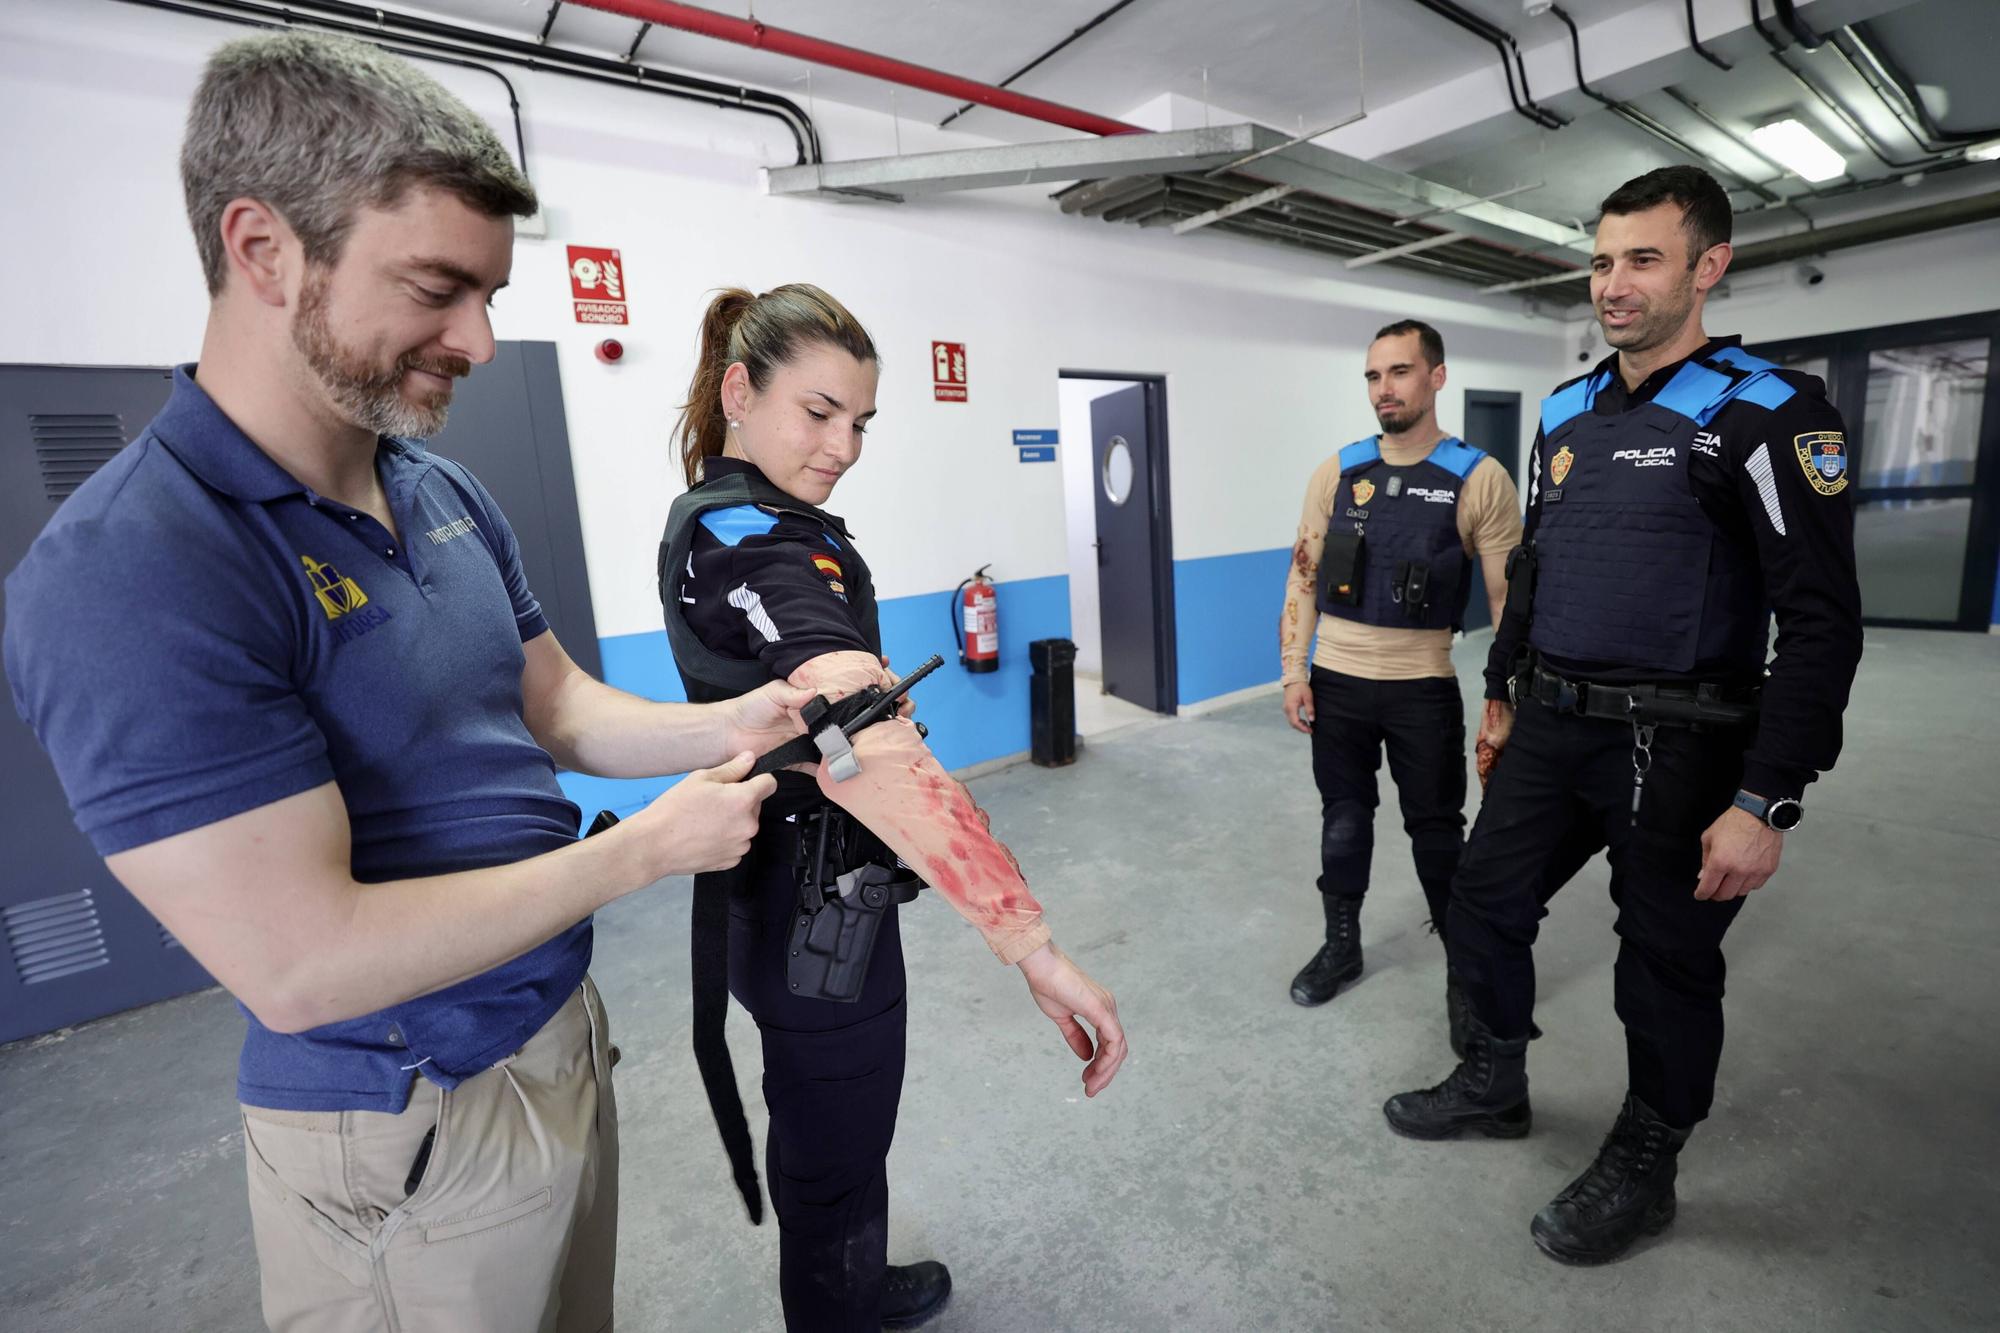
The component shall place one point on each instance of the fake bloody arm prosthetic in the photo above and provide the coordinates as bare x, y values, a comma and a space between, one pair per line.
907, 800
1300, 615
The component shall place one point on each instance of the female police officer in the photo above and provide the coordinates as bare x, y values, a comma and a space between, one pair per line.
757, 582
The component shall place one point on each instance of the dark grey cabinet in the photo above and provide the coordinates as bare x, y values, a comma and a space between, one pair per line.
73, 944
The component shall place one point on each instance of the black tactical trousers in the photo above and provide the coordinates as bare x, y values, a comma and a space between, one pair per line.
1421, 724
833, 1076
1559, 770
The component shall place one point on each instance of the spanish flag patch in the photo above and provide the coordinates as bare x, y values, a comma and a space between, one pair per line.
827, 565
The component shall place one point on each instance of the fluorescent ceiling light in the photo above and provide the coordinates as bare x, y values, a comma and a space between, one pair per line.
1791, 144
1984, 152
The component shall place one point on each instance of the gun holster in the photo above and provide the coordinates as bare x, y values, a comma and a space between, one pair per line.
848, 879
1521, 564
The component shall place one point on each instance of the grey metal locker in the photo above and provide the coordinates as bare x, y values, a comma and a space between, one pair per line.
76, 944
73, 944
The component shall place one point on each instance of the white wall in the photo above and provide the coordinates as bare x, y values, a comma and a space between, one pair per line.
1262, 348
1954, 272
1080, 511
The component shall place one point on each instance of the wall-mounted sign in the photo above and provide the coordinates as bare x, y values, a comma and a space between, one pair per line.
597, 285
948, 372
1036, 446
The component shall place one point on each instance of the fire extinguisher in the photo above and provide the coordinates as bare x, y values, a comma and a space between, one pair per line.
975, 610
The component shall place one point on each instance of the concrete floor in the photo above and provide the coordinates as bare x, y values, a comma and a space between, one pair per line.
1238, 1175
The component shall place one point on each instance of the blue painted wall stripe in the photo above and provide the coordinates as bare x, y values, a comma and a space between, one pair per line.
972, 718
1225, 610
1226, 621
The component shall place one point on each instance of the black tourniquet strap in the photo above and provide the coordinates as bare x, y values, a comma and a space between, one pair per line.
709, 955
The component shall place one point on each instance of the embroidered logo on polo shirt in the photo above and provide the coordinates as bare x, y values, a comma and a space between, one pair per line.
338, 595
458, 527
343, 601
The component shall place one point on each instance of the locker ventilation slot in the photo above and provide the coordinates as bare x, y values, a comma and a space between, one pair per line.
55, 937
71, 446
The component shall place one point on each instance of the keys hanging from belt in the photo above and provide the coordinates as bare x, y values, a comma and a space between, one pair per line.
1642, 759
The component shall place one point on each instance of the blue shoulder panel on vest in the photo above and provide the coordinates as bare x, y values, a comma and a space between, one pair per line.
1360, 454
1765, 391
1456, 457
732, 525
1742, 360
1699, 393
1573, 401
1695, 391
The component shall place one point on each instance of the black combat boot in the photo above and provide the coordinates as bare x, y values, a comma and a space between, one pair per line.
1628, 1192
912, 1293
1458, 1014
1338, 960
1487, 1092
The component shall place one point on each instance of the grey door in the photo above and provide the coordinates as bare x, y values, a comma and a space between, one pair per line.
1134, 575
1492, 423
507, 425
73, 944
76, 944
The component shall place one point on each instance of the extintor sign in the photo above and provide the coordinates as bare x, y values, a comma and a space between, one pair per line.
597, 285
948, 372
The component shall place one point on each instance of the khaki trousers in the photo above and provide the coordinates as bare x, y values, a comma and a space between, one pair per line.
512, 1225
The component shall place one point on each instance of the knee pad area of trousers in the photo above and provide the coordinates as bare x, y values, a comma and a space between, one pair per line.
1348, 829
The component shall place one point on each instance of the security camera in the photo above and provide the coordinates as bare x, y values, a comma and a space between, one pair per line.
1583, 349
1810, 276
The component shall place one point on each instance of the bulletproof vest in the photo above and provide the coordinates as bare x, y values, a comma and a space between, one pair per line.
1393, 555
707, 675
1631, 572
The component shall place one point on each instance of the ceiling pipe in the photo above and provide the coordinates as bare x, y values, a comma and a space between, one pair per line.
1866, 231
409, 30
1960, 212
783, 41
1010, 80
1503, 42
1803, 34
1694, 40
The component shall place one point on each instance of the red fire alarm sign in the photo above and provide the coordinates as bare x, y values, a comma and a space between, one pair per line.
948, 372
597, 285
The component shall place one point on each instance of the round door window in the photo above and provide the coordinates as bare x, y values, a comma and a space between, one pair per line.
1118, 471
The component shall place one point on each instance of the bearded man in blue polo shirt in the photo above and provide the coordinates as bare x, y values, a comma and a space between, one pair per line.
303, 702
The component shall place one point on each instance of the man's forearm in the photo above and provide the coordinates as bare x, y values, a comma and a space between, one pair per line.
608, 733
371, 946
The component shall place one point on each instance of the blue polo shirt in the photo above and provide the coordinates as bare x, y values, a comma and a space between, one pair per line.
196, 634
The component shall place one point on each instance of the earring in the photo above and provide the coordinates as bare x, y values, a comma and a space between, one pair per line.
735, 425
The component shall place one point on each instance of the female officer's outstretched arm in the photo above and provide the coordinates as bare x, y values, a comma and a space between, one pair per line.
930, 820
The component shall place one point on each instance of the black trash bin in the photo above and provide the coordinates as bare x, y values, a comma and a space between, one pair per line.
1052, 702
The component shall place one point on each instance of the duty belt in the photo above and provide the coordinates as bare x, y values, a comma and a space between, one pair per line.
1693, 704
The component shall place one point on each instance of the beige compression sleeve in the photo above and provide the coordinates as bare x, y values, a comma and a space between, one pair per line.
926, 817
1300, 616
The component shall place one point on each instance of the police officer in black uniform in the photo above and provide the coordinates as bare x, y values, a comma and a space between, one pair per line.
758, 582
1683, 493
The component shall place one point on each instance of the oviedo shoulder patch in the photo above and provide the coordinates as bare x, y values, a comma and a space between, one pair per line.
1823, 455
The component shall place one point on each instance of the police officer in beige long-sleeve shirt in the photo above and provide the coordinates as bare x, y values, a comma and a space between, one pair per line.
1398, 532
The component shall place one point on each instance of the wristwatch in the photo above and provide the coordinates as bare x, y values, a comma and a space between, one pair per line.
1782, 814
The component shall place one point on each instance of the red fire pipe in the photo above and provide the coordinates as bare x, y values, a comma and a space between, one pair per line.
763, 37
